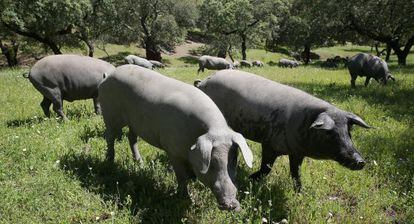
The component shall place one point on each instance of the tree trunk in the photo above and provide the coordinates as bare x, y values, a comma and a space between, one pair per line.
402, 58
151, 51
231, 57
388, 53
377, 50
152, 54
306, 52
53, 46
401, 54
229, 51
10, 52
243, 46
91, 48
222, 53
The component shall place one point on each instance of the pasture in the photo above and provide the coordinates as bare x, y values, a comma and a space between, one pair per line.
54, 172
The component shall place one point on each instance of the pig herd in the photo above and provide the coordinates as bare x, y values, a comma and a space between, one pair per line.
202, 128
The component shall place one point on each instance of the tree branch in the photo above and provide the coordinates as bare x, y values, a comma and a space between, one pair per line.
365, 32
243, 30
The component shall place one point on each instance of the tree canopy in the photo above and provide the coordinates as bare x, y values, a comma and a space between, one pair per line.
227, 25
46, 21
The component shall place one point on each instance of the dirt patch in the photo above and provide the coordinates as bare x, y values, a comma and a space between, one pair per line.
186, 49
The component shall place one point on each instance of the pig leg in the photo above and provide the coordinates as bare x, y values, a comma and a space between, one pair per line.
295, 162
45, 104
58, 107
110, 136
182, 174
97, 106
353, 78
367, 81
268, 158
133, 144
200, 69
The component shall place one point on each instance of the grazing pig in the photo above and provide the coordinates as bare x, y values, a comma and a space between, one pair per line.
68, 77
179, 119
284, 63
213, 63
244, 63
157, 64
370, 66
257, 63
135, 60
285, 120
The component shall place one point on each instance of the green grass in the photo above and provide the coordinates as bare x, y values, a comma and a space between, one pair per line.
53, 172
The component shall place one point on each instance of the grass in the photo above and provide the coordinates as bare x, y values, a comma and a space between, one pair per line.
53, 172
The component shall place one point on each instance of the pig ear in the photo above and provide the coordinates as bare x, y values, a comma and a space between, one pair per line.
354, 119
200, 154
323, 121
244, 148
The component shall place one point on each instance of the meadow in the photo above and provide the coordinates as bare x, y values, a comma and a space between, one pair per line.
55, 172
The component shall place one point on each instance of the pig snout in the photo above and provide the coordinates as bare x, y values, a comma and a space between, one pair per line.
231, 205
358, 163
225, 193
352, 161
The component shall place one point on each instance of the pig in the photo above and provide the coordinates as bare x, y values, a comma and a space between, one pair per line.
370, 66
135, 60
157, 64
179, 119
257, 63
284, 63
285, 120
244, 63
68, 77
213, 63
236, 64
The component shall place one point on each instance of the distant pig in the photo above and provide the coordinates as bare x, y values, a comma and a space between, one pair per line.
285, 120
370, 66
213, 63
68, 77
284, 63
157, 64
245, 63
179, 119
135, 60
257, 63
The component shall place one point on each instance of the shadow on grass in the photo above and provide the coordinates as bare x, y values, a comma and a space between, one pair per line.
395, 68
92, 131
269, 196
359, 50
73, 113
25, 122
79, 111
136, 190
398, 104
397, 152
397, 101
320, 64
117, 59
272, 63
189, 59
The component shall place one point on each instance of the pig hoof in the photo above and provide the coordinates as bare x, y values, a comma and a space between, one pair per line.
234, 206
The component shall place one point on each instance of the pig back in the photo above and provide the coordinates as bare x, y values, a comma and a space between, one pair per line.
161, 110
76, 77
257, 107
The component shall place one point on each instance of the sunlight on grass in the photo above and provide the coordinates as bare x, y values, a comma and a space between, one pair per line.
53, 172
